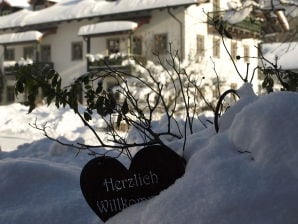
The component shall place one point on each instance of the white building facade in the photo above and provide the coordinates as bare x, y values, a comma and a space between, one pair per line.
69, 35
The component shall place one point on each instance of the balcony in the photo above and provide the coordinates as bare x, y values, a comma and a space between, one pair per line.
248, 28
114, 62
10, 66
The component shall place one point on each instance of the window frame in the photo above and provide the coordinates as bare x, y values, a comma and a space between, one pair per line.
115, 45
234, 49
9, 56
77, 55
137, 46
200, 45
216, 47
48, 57
161, 43
216, 5
246, 53
27, 50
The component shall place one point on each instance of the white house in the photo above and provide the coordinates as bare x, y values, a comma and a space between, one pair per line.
70, 34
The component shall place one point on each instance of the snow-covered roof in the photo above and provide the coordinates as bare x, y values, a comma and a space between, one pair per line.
107, 27
285, 54
14, 19
238, 11
17, 3
28, 36
77, 9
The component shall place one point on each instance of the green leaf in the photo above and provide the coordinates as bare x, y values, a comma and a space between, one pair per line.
87, 116
125, 109
98, 89
119, 119
19, 88
55, 80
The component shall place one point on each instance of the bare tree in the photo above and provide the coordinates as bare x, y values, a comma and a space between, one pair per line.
174, 94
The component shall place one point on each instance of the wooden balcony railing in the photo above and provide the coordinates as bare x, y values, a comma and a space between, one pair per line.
248, 28
109, 63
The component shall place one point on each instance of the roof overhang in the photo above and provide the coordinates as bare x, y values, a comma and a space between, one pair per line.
20, 37
111, 27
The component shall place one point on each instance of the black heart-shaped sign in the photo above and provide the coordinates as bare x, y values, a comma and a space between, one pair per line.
109, 187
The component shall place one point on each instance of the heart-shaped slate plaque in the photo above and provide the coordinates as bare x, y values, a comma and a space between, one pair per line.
109, 187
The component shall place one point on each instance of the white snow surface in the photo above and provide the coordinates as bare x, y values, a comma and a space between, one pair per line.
40, 180
9, 38
107, 27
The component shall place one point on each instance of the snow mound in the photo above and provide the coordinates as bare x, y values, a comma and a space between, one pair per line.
221, 184
39, 191
247, 173
267, 128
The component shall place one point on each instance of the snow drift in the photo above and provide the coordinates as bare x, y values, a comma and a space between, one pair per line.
246, 173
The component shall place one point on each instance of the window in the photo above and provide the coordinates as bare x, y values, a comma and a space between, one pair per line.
200, 45
161, 43
77, 51
39, 7
137, 46
28, 52
216, 5
216, 9
113, 46
234, 50
246, 53
45, 53
216, 47
10, 97
9, 54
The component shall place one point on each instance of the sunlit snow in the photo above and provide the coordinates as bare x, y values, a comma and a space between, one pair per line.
246, 173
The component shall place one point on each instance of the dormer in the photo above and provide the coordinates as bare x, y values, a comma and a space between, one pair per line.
10, 6
42, 4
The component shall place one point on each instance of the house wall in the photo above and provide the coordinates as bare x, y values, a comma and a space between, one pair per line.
196, 24
61, 43
18, 50
183, 39
9, 81
99, 44
160, 23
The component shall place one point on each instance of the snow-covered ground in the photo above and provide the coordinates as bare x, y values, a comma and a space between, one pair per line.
40, 179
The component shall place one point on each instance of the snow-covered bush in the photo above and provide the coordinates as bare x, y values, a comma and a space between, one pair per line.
173, 91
